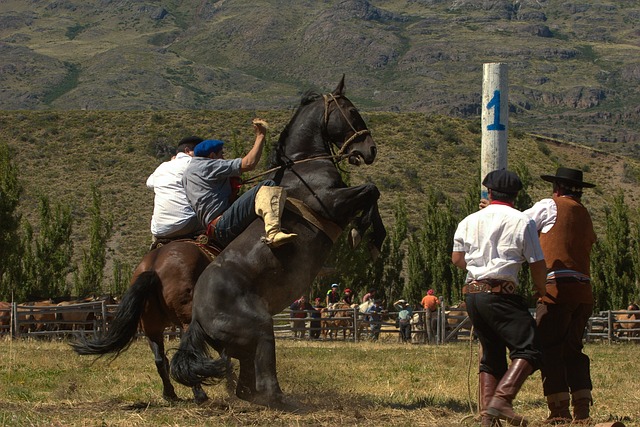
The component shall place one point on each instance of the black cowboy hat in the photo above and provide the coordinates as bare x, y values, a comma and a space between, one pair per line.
567, 176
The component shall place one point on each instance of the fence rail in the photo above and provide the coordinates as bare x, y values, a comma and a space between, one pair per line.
441, 326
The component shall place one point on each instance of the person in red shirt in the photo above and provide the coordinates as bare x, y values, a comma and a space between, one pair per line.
299, 311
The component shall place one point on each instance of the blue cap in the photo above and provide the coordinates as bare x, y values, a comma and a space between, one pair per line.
207, 147
335, 285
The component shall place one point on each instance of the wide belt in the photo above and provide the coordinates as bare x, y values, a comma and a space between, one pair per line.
209, 237
490, 286
212, 226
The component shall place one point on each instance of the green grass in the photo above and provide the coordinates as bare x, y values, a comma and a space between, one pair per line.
45, 383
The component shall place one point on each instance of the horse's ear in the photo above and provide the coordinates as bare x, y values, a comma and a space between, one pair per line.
340, 89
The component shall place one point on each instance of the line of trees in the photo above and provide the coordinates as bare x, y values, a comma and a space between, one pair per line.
36, 261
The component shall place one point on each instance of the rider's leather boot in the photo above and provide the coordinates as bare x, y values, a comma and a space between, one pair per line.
269, 205
500, 406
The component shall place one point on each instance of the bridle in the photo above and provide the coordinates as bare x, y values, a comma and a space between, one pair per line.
328, 99
334, 157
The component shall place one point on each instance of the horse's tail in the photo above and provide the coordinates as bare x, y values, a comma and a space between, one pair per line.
124, 326
192, 364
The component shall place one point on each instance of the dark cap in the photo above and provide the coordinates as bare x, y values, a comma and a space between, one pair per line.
503, 181
568, 177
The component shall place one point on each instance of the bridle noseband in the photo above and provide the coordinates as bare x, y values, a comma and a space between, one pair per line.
328, 99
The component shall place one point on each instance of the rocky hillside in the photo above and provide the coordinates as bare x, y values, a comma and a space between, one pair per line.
574, 67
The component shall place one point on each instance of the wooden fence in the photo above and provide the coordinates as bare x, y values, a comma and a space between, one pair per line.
439, 327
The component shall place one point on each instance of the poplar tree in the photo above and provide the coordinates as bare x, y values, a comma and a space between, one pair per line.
430, 248
612, 266
10, 190
46, 259
392, 264
89, 279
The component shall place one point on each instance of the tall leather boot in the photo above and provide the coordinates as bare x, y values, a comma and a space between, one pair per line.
581, 401
488, 384
558, 404
269, 205
500, 406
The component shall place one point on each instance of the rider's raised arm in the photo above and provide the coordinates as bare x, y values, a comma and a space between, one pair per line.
250, 161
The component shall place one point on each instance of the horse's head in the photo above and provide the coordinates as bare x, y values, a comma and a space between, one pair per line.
346, 129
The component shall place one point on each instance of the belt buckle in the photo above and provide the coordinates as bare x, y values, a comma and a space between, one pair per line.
477, 287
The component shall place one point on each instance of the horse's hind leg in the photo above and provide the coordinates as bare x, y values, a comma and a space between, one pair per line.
199, 395
246, 387
162, 365
156, 342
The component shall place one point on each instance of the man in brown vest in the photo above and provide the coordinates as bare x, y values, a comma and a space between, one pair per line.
566, 237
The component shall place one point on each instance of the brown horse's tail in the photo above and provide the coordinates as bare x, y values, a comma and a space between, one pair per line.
124, 326
192, 364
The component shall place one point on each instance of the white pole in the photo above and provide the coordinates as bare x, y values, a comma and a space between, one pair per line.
495, 117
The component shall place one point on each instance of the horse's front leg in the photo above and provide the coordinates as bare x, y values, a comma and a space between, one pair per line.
360, 204
371, 218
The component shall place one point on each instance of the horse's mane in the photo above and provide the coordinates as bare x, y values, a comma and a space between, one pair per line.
275, 158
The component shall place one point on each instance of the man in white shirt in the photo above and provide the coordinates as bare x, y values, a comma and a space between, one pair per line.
173, 215
492, 244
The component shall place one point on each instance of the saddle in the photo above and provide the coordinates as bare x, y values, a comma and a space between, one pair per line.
208, 246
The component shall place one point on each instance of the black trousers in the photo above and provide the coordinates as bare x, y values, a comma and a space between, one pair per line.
503, 322
565, 368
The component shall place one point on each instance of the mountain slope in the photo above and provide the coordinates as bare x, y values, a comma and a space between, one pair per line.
574, 68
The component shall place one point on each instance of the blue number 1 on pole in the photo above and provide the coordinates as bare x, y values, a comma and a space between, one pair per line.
495, 104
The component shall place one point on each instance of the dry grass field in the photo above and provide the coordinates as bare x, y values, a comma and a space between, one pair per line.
44, 383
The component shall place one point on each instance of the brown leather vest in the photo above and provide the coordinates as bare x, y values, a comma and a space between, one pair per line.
568, 246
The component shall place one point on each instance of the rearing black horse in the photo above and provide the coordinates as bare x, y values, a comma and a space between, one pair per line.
239, 292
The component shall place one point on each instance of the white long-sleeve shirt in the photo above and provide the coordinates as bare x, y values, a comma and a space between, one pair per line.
544, 214
496, 241
172, 216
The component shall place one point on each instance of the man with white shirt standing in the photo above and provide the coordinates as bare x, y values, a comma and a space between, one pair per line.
492, 244
566, 237
173, 215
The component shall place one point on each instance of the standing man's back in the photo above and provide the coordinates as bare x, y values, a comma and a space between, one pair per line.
492, 244
567, 237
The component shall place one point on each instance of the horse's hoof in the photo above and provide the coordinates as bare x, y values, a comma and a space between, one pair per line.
170, 397
245, 393
199, 400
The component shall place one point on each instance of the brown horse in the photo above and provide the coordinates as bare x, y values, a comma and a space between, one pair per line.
5, 317
337, 318
81, 314
627, 324
40, 315
159, 296
249, 282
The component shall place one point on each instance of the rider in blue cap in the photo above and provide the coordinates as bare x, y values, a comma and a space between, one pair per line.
208, 182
